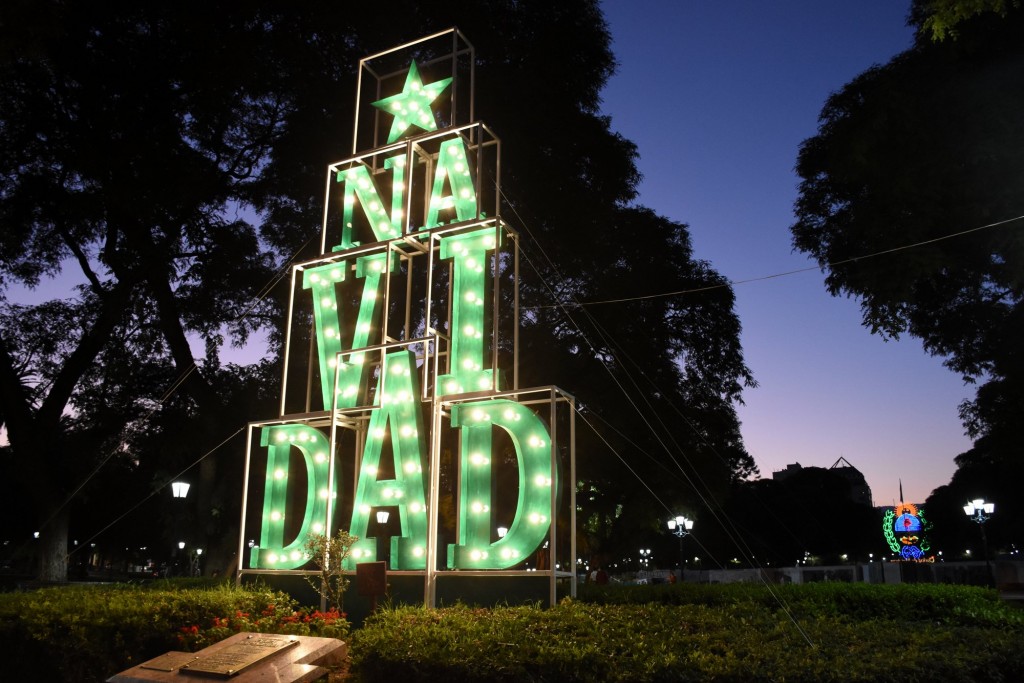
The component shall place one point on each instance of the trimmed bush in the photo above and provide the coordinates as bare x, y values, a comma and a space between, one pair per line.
834, 632
945, 603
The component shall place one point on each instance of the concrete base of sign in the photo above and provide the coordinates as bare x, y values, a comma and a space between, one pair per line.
296, 659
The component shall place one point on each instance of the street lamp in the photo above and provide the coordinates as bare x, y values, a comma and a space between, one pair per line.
681, 527
645, 557
979, 511
196, 569
179, 489
383, 547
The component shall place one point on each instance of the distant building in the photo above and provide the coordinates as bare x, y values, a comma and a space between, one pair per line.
860, 492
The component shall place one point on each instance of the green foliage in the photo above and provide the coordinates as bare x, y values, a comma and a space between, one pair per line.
706, 633
88, 633
939, 18
329, 555
945, 603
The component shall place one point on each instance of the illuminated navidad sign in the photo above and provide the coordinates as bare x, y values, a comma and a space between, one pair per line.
406, 230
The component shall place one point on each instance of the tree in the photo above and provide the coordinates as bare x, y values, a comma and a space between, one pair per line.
924, 153
940, 18
127, 135
986, 472
175, 155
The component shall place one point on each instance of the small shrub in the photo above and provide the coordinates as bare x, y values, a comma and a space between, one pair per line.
329, 554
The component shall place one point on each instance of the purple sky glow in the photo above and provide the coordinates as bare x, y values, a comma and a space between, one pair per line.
718, 97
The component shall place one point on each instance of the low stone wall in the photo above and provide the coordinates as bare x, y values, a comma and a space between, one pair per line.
1009, 574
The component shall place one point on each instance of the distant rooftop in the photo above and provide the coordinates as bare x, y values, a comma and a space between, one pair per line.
860, 492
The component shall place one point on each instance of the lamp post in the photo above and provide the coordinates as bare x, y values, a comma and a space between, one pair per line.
645, 558
681, 527
979, 511
382, 538
179, 490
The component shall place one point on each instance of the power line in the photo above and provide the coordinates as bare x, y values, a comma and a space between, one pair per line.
732, 283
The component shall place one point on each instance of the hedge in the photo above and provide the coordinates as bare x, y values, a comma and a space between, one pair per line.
822, 632
88, 633
816, 632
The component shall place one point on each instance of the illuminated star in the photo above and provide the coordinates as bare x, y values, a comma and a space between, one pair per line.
411, 107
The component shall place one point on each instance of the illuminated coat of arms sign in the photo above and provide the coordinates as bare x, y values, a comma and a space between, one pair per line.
904, 527
401, 347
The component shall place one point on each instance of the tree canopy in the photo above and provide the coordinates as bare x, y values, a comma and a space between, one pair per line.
172, 158
939, 19
911, 200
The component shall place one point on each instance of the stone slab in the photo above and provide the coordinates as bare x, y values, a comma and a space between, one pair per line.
302, 662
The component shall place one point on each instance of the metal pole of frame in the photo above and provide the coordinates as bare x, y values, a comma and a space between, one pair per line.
384, 328
287, 345
331, 465
359, 101
245, 502
430, 575
433, 499
572, 490
515, 313
553, 592
327, 208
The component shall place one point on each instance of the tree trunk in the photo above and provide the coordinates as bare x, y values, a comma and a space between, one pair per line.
53, 549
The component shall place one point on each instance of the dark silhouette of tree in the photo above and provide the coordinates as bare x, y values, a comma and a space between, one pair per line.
982, 472
925, 151
173, 155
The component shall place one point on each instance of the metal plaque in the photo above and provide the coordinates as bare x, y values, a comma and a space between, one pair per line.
230, 660
169, 661
371, 578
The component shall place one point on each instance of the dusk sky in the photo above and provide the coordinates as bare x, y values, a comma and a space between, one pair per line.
718, 97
